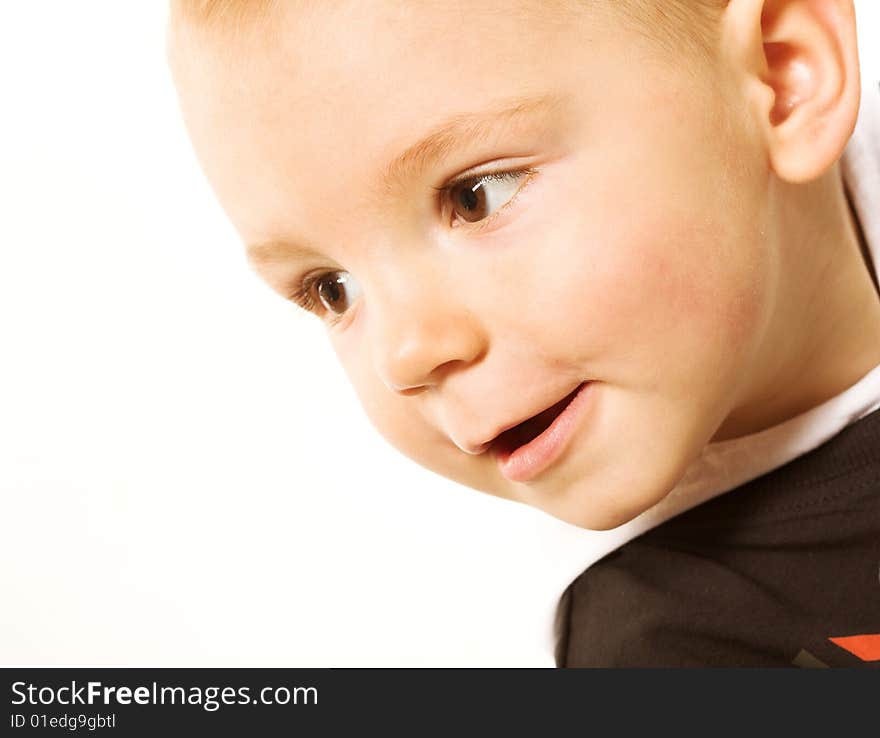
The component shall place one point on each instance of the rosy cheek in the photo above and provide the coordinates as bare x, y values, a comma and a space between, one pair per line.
668, 287
679, 290
637, 289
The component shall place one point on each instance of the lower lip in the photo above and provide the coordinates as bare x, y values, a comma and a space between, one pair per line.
528, 461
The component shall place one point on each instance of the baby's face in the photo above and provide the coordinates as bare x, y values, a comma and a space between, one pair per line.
618, 243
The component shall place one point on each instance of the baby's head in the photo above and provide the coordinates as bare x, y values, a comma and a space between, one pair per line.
497, 206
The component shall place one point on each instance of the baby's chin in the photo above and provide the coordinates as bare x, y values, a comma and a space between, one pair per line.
631, 461
596, 503
599, 492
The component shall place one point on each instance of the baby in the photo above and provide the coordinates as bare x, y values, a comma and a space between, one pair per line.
670, 281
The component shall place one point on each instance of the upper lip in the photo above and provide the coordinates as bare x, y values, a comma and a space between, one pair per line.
478, 448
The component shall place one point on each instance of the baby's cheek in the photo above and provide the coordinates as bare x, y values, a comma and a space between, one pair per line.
689, 303
717, 305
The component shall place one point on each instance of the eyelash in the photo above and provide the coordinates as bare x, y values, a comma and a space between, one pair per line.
303, 292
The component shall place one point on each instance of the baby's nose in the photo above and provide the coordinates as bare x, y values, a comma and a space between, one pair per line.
416, 346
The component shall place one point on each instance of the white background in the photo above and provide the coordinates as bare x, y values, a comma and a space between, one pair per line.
186, 477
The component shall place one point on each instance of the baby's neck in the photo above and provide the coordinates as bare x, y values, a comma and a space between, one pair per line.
863, 245
825, 332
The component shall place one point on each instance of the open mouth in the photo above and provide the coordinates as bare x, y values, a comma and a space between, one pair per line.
511, 439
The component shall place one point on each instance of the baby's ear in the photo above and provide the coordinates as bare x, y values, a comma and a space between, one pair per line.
806, 68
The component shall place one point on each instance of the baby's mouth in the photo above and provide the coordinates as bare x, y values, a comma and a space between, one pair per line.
507, 442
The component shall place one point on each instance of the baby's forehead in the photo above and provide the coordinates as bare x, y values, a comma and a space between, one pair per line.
333, 49
228, 24
243, 32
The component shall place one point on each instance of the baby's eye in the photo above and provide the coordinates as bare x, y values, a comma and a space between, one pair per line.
336, 291
479, 197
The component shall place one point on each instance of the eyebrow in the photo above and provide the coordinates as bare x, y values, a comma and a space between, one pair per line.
443, 137
268, 253
431, 148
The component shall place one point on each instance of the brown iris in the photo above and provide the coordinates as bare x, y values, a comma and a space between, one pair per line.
469, 200
331, 291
